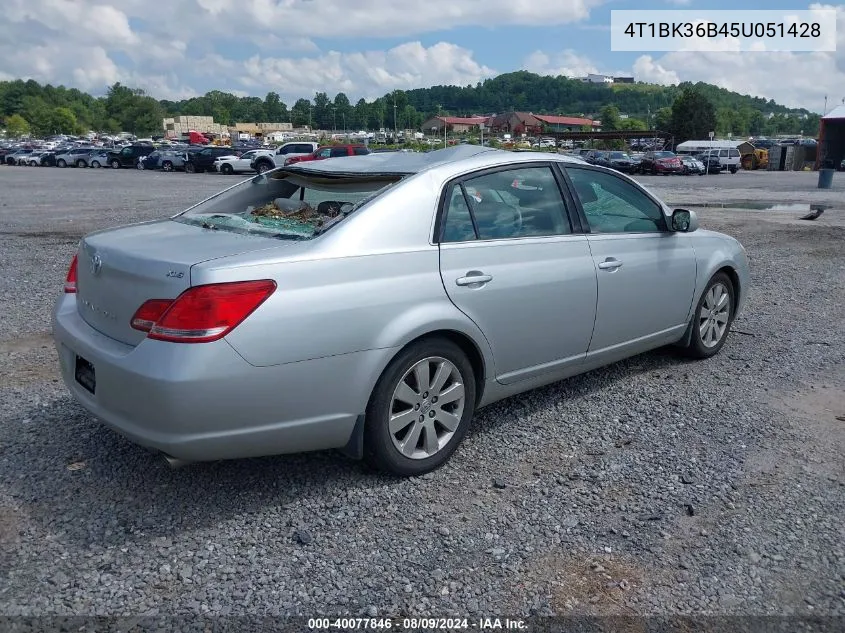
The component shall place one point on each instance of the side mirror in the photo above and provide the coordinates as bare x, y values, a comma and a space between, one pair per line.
684, 221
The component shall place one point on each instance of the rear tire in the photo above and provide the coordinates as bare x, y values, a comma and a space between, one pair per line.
95, 164
411, 428
189, 167
81, 163
263, 167
167, 166
61, 163
733, 169
226, 168
712, 319
115, 164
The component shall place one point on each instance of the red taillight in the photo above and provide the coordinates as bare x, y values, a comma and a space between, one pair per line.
208, 313
70, 280
149, 313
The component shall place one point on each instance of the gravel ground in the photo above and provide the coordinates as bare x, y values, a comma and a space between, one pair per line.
654, 486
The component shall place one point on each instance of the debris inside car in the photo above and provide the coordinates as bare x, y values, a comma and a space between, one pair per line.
295, 216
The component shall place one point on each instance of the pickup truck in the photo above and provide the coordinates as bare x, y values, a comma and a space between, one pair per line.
282, 153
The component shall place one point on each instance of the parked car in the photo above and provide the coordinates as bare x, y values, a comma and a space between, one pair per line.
241, 164
128, 156
330, 151
75, 157
23, 157
594, 156
729, 159
282, 153
314, 316
35, 159
711, 162
12, 158
203, 159
692, 165
620, 161
98, 159
175, 160
661, 162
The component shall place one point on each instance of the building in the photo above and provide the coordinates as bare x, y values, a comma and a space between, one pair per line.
623, 80
598, 79
457, 125
529, 123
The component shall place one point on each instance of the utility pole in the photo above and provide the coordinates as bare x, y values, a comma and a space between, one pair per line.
395, 122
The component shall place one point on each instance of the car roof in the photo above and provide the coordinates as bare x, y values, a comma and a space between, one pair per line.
408, 163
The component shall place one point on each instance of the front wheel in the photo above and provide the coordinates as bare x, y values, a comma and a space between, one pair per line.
81, 163
733, 169
95, 164
713, 317
61, 163
226, 168
189, 167
420, 409
115, 164
263, 168
167, 166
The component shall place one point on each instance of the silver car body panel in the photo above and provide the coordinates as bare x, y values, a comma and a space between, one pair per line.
349, 300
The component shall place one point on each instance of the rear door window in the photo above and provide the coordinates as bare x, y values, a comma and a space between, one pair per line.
339, 151
512, 203
734, 153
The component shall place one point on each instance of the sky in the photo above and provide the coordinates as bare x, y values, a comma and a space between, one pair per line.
174, 49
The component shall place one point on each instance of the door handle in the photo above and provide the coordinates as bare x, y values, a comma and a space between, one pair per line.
473, 277
610, 264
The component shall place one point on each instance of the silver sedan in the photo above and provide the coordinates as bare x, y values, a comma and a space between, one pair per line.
372, 304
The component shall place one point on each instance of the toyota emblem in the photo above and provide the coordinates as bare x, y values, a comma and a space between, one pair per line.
96, 264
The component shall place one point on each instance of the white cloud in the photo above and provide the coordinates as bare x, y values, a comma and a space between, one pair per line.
171, 48
368, 74
567, 63
647, 70
792, 79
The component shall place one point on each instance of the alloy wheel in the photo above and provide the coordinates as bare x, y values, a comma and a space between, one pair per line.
426, 407
714, 315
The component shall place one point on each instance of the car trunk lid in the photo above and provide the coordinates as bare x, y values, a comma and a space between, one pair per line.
120, 269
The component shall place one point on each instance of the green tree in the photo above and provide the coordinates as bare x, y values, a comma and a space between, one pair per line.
632, 124
322, 111
663, 119
693, 116
16, 125
63, 120
609, 117
362, 113
342, 109
301, 113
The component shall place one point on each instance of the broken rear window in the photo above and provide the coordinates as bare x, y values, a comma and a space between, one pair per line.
286, 205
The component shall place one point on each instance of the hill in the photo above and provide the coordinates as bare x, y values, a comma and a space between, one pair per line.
48, 109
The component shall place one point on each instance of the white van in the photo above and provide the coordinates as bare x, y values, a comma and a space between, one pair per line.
729, 158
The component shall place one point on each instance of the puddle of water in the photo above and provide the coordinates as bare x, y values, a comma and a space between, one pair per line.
756, 206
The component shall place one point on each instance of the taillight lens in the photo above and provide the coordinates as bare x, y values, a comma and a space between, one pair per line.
207, 313
70, 280
151, 311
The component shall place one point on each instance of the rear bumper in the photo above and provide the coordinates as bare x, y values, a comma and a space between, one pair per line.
201, 402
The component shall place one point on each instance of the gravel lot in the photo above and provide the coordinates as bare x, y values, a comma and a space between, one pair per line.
654, 486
